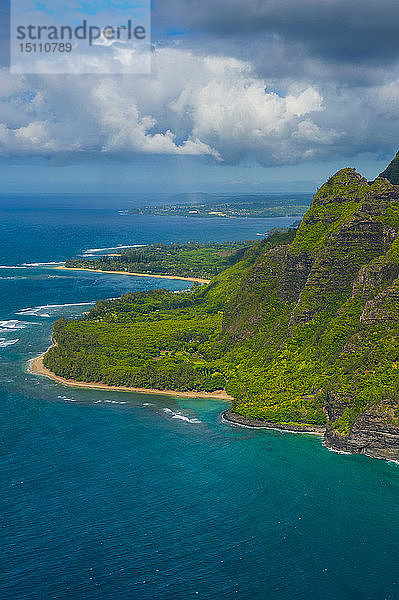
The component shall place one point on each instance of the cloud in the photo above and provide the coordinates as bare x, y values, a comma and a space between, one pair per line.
360, 30
191, 105
195, 104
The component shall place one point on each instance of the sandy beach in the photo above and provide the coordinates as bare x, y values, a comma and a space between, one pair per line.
36, 366
194, 279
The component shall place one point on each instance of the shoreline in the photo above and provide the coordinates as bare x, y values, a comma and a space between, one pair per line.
232, 418
36, 367
194, 279
228, 417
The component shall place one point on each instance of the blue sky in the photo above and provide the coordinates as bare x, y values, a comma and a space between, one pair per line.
243, 96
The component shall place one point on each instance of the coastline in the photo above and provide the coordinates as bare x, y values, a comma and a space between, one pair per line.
36, 367
232, 418
228, 417
194, 279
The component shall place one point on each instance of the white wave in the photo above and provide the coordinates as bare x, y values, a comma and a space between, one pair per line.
148, 404
118, 247
109, 402
62, 305
180, 416
34, 310
184, 418
4, 342
66, 399
11, 267
42, 264
12, 324
114, 402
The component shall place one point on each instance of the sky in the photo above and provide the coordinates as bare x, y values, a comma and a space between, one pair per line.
243, 96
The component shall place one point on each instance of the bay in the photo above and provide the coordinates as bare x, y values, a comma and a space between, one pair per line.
131, 496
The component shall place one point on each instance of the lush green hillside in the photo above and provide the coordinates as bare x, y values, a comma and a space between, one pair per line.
302, 331
157, 339
185, 260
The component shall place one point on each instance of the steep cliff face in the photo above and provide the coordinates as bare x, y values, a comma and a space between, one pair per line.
375, 432
327, 318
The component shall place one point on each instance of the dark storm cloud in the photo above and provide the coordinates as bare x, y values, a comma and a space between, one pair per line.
337, 30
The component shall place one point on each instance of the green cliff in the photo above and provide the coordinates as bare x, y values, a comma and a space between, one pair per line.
303, 332
392, 171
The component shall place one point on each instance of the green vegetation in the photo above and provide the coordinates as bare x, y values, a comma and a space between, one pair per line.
392, 171
185, 260
302, 328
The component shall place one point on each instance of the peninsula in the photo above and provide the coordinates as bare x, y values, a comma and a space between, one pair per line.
302, 331
190, 262
229, 206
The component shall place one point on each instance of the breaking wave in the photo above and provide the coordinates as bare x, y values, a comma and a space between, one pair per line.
35, 310
181, 417
4, 343
119, 247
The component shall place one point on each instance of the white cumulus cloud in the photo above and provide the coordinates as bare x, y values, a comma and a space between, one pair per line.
190, 105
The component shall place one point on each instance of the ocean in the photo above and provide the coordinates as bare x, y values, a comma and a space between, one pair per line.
136, 496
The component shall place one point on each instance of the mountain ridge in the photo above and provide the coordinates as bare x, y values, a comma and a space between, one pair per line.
392, 171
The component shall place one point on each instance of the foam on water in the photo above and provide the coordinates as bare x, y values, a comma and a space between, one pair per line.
4, 343
66, 399
110, 402
12, 267
42, 264
35, 310
90, 251
175, 415
13, 324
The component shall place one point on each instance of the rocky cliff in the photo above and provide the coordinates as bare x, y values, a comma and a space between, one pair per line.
392, 171
333, 341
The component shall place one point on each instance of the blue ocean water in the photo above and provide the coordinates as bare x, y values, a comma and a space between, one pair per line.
129, 496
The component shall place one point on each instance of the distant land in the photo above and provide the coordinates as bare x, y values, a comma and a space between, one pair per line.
208, 205
192, 260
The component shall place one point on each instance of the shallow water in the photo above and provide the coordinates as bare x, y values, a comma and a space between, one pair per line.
115, 495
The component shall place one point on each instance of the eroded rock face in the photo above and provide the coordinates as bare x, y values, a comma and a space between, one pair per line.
375, 433
378, 273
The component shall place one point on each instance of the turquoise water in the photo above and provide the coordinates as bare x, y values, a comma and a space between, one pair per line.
115, 495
